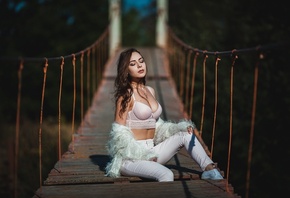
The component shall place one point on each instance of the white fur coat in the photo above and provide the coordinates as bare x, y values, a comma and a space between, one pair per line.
122, 144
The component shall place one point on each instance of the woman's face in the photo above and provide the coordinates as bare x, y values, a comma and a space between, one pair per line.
137, 66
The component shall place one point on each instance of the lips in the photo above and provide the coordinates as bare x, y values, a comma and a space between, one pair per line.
141, 71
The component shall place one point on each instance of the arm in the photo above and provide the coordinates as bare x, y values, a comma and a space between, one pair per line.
121, 120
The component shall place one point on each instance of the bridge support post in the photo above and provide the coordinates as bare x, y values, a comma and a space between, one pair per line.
115, 26
161, 26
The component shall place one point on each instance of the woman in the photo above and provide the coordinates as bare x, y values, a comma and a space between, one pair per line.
141, 142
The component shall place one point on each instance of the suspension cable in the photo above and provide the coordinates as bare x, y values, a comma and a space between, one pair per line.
256, 75
20, 69
59, 108
215, 105
40, 121
187, 79
231, 114
192, 83
203, 94
88, 77
74, 94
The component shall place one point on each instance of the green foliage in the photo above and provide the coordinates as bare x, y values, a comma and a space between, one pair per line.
39, 29
138, 30
44, 29
50, 28
226, 25
28, 155
222, 26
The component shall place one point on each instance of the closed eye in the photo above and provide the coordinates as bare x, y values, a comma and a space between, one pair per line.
133, 62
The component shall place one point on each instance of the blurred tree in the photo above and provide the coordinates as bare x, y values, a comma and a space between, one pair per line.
46, 28
49, 27
225, 25
138, 25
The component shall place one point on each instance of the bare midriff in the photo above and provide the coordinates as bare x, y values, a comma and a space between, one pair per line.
143, 134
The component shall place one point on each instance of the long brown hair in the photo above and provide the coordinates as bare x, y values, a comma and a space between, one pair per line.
123, 80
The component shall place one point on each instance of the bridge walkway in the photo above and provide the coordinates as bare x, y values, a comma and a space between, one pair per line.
80, 172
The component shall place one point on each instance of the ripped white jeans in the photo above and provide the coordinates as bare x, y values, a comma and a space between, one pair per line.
165, 150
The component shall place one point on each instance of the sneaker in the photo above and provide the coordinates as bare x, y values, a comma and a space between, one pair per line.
213, 174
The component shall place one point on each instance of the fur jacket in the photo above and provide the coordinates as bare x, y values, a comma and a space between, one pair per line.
123, 146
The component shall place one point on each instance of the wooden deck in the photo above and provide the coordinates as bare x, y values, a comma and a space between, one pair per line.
80, 172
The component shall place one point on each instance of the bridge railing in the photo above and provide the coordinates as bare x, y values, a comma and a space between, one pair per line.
219, 91
69, 82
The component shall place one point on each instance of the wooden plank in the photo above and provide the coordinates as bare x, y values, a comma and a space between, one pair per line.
91, 170
185, 188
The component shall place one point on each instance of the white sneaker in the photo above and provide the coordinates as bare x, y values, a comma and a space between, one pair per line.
213, 174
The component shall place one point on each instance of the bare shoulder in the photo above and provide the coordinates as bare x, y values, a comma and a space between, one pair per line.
120, 99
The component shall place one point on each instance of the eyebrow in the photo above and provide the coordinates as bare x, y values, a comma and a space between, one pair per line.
136, 60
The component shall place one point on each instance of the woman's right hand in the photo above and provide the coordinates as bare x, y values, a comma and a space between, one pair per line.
154, 159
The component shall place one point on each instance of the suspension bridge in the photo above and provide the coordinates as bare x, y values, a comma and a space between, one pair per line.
80, 171
177, 71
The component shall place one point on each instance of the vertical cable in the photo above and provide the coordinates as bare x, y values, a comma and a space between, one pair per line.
231, 114
59, 107
74, 96
40, 122
175, 65
100, 63
215, 105
94, 68
203, 94
88, 77
192, 85
82, 89
17, 129
187, 81
256, 75
181, 77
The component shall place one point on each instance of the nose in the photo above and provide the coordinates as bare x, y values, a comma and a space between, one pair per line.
139, 64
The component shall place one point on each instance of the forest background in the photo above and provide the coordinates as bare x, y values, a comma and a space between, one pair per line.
50, 28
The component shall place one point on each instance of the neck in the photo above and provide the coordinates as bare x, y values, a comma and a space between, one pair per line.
137, 84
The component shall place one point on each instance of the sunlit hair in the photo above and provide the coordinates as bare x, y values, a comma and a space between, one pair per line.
123, 80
